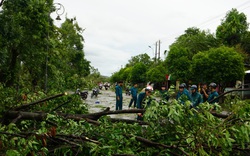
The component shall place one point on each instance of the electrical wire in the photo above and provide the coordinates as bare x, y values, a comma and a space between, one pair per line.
203, 24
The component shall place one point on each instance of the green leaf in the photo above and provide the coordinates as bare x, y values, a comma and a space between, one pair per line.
12, 153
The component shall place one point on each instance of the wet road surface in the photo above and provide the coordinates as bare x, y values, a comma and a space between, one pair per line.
106, 98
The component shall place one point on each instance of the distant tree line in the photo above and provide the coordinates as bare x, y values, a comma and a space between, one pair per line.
197, 56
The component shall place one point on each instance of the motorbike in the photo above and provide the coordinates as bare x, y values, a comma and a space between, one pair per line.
100, 86
82, 94
128, 92
95, 92
106, 87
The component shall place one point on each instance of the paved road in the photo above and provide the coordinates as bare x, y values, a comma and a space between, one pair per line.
105, 99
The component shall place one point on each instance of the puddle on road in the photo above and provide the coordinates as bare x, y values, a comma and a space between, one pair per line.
105, 99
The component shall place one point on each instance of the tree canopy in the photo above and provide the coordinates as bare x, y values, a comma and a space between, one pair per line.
31, 46
221, 65
232, 28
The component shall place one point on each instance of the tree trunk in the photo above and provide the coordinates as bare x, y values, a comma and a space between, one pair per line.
15, 116
10, 77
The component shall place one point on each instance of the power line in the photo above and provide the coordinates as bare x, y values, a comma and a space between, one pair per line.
209, 20
223, 14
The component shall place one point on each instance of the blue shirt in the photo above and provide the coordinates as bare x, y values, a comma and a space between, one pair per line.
196, 99
183, 96
133, 92
212, 96
141, 101
118, 91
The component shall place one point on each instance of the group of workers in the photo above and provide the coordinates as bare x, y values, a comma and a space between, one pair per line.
142, 100
195, 97
135, 100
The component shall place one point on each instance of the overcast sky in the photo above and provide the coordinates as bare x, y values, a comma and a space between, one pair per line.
116, 30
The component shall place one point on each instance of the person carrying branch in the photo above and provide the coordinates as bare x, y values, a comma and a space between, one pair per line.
144, 100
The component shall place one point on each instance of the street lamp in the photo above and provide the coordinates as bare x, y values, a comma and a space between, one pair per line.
152, 50
59, 9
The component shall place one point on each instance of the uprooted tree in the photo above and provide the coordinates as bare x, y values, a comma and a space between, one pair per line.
169, 128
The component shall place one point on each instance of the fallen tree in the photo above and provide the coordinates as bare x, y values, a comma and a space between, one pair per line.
169, 129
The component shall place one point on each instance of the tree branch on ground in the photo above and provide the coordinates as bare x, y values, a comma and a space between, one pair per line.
37, 102
157, 145
234, 90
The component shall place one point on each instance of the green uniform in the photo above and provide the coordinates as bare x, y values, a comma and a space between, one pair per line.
118, 93
133, 91
183, 96
196, 99
141, 103
164, 94
212, 96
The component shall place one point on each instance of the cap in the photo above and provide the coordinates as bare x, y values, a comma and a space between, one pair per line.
213, 85
184, 84
193, 87
181, 86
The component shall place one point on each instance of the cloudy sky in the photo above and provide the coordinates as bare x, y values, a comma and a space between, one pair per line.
116, 30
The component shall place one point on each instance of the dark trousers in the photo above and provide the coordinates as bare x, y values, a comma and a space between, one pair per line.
133, 100
118, 105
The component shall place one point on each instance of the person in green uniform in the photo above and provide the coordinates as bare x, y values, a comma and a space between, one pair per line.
185, 89
164, 93
214, 94
144, 100
133, 91
196, 96
118, 93
183, 95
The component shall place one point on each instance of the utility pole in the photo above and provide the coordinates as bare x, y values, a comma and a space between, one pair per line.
159, 49
155, 51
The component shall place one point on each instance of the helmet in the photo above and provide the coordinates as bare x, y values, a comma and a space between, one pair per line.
181, 86
184, 84
149, 88
213, 85
193, 87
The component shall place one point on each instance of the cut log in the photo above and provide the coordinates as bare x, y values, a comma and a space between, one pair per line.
91, 118
26, 115
223, 116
